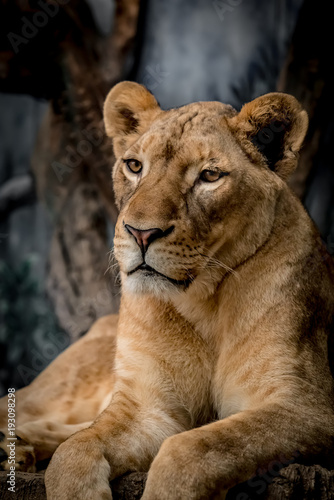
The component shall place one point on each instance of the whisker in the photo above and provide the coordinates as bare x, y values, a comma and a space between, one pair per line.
213, 262
112, 262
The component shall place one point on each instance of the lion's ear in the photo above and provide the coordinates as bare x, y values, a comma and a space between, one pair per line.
271, 130
129, 110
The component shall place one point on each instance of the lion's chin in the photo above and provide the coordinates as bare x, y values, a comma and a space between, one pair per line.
150, 282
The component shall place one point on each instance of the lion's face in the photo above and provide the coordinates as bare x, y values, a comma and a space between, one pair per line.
195, 197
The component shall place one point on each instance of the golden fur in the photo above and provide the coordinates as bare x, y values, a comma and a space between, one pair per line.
227, 303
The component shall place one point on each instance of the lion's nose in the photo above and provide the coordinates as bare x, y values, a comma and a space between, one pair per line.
144, 237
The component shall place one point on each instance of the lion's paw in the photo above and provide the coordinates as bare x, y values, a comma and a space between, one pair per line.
177, 472
78, 470
16, 452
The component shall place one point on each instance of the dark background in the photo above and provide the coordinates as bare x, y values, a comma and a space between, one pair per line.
58, 59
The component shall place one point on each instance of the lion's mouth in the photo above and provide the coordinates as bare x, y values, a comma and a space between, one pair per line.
150, 271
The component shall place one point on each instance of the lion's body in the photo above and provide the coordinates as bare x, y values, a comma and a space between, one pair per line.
227, 305
65, 397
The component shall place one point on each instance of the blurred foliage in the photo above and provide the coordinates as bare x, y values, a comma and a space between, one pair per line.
30, 337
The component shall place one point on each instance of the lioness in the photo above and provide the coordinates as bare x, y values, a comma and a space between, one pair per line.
221, 362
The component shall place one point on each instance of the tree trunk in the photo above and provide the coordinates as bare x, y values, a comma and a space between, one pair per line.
72, 165
308, 76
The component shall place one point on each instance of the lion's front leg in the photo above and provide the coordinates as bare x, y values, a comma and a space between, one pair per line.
208, 461
79, 470
125, 437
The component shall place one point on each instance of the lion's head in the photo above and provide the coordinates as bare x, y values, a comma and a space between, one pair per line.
196, 186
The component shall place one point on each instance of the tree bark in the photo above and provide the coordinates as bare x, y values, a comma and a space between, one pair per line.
72, 164
308, 76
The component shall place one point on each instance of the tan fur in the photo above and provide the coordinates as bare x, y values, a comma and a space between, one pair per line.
64, 398
222, 360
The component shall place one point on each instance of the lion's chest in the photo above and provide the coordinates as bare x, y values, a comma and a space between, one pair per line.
228, 397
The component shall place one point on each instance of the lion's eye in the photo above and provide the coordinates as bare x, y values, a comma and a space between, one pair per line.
211, 175
134, 166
